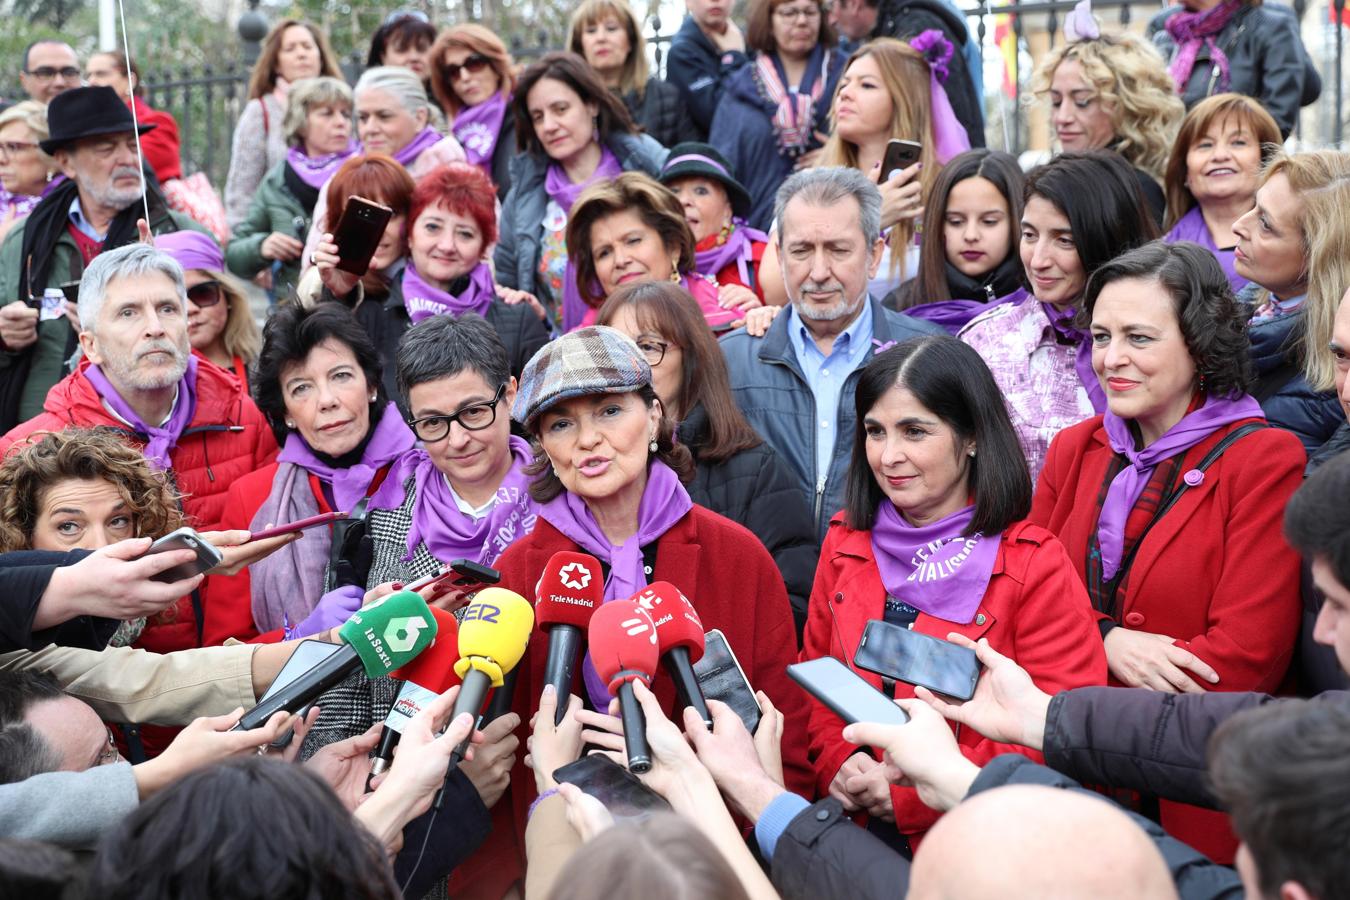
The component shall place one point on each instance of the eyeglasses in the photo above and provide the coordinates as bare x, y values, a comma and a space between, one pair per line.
47, 73
14, 148
474, 64
206, 294
474, 417
654, 350
798, 12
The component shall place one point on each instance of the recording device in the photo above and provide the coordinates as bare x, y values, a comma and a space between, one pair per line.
359, 232
379, 638
679, 640
899, 155
185, 538
424, 679
304, 657
300, 525
570, 591
621, 792
493, 634
845, 693
915, 658
464, 572
622, 639
721, 677
71, 290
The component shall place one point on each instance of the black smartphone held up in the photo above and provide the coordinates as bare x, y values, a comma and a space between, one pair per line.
306, 656
185, 538
622, 792
721, 677
915, 658
359, 232
899, 155
845, 693
468, 572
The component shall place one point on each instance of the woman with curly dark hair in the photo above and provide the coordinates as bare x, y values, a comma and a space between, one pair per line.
1170, 502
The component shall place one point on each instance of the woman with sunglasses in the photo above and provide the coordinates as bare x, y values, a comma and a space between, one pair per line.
221, 328
473, 80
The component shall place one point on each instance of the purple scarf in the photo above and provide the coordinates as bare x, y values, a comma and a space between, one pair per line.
161, 439
1192, 227
934, 568
22, 204
1129, 484
390, 440
437, 521
477, 128
423, 300
738, 247
1191, 31
564, 193
408, 153
316, 170
664, 502
1062, 321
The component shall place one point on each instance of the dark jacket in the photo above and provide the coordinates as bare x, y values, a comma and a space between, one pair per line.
753, 488
274, 208
742, 131
700, 71
906, 19
503, 153
1266, 60
1284, 394
24, 576
662, 113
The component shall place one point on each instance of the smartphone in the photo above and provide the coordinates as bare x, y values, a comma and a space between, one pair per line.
463, 571
845, 693
306, 656
721, 677
300, 525
899, 155
72, 290
359, 232
185, 538
622, 792
915, 658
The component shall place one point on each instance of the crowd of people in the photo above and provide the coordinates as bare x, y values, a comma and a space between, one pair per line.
1085, 426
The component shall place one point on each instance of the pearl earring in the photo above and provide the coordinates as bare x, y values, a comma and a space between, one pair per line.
971, 452
290, 423
652, 446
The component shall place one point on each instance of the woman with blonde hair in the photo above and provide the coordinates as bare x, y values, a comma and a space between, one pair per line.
25, 170
606, 33
1112, 92
473, 79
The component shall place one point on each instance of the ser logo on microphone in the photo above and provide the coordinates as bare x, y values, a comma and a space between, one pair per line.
575, 576
483, 612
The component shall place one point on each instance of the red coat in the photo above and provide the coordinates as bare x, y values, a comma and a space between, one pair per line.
1215, 572
731, 273
1035, 611
161, 144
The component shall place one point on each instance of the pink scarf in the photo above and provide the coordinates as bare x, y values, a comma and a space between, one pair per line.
794, 113
1191, 31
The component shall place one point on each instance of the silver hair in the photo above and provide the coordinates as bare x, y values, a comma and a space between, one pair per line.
308, 94
403, 84
827, 186
131, 261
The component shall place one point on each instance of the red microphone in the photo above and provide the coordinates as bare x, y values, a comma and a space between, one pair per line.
679, 635
623, 649
570, 590
431, 674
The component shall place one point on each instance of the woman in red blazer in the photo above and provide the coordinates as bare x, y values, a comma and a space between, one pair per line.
1205, 594
930, 540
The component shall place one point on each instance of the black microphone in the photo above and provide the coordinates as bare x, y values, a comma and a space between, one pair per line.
572, 587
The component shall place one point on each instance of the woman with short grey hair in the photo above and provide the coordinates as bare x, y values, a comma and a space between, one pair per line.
25, 169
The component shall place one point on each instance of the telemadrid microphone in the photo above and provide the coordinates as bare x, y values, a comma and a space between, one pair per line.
623, 650
379, 638
570, 590
679, 639
424, 679
493, 635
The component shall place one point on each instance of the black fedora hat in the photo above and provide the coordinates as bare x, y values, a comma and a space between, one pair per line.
694, 160
87, 112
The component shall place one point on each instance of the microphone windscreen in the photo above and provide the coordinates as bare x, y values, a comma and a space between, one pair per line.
435, 669
677, 622
570, 590
622, 640
493, 633
390, 632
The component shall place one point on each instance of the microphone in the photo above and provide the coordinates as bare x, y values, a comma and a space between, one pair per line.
379, 638
623, 649
493, 635
424, 679
570, 590
679, 636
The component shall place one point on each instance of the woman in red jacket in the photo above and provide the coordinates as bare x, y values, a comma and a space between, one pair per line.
1185, 563
931, 539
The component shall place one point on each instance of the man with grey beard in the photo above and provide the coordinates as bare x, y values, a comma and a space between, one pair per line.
93, 139
795, 385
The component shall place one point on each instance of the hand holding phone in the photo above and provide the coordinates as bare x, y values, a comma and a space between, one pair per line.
208, 557
721, 677
845, 693
916, 658
621, 792
899, 155
359, 233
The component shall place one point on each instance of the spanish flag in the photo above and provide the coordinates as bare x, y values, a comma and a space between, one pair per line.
1006, 39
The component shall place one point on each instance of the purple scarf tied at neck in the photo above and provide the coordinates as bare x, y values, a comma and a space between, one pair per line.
564, 193
423, 300
391, 439
437, 522
1129, 484
408, 153
161, 439
316, 170
1191, 31
934, 568
664, 502
478, 127
738, 247
1062, 321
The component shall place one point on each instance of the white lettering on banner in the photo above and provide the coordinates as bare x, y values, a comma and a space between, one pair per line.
519, 523
928, 569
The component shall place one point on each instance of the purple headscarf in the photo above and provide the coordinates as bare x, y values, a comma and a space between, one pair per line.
1062, 321
477, 129
564, 193
423, 300
427, 138
934, 568
162, 439
316, 170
